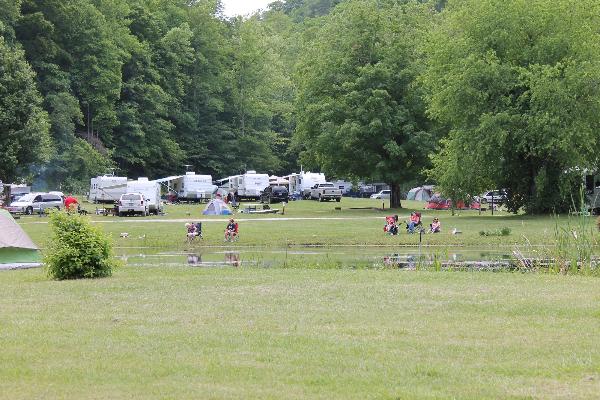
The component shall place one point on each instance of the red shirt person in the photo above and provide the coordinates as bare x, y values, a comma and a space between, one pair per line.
71, 203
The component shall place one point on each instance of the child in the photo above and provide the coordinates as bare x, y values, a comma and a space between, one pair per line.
436, 226
391, 225
191, 232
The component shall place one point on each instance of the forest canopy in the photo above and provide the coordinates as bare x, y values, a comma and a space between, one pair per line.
467, 94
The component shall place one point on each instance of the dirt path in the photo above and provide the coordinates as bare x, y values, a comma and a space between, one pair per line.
220, 221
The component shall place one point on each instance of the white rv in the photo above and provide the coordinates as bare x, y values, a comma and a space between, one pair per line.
302, 183
192, 187
107, 188
151, 192
248, 186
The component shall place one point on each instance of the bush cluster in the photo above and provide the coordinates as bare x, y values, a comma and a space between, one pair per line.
77, 249
505, 231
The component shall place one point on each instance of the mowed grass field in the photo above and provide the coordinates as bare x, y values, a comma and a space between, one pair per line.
193, 333
313, 223
164, 331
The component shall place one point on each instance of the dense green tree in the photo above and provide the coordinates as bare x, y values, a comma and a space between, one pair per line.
77, 64
24, 139
256, 83
8, 19
516, 82
360, 113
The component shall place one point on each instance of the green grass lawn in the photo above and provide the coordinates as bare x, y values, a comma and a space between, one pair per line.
314, 223
190, 333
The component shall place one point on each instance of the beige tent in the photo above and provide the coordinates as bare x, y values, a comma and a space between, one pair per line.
15, 245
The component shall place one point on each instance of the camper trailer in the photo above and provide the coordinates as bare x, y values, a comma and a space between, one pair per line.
151, 192
192, 187
107, 188
247, 186
300, 184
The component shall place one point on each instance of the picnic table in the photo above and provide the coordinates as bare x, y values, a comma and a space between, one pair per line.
252, 208
107, 211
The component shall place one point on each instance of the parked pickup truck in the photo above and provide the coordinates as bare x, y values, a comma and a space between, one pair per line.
325, 191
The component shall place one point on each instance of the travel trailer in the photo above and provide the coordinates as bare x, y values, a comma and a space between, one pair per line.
107, 188
192, 187
151, 192
247, 186
302, 183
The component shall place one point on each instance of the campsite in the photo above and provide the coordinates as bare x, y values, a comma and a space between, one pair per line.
318, 296
299, 199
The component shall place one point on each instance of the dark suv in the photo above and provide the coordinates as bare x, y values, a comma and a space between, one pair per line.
274, 194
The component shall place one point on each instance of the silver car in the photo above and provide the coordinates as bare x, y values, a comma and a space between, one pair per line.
133, 203
498, 196
35, 203
384, 194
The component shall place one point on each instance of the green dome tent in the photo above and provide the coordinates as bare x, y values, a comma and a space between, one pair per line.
16, 248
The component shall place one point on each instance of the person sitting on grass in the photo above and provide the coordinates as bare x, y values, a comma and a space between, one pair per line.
391, 225
415, 220
231, 231
436, 226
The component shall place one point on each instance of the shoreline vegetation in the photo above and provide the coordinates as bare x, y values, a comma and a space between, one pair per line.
565, 244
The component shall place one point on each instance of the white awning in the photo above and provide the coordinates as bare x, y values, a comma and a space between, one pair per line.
168, 179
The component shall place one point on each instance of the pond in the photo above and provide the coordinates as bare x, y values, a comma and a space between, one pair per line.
317, 257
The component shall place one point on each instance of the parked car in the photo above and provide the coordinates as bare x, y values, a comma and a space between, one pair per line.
132, 203
382, 194
499, 196
274, 194
325, 191
35, 202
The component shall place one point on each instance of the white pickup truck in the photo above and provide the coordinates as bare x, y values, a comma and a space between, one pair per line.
325, 191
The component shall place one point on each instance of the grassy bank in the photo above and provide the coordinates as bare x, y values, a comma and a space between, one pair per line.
314, 223
331, 334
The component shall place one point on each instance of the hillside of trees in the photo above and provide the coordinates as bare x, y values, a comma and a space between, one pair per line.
467, 94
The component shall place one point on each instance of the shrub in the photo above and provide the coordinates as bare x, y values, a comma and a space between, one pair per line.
77, 249
498, 232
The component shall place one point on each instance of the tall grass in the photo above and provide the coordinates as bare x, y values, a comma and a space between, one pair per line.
571, 248
574, 241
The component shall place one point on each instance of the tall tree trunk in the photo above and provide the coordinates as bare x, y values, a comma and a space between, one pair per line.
395, 195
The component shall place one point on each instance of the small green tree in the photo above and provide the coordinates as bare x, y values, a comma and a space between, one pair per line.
77, 249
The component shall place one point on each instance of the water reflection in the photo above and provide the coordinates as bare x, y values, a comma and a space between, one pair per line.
299, 256
232, 258
194, 259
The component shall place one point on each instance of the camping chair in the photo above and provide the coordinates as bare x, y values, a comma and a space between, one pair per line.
391, 225
418, 224
193, 231
198, 232
232, 236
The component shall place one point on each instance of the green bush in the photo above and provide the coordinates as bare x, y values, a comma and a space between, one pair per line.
77, 249
505, 231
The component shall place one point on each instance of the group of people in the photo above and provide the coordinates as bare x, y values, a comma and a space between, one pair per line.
194, 230
392, 226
